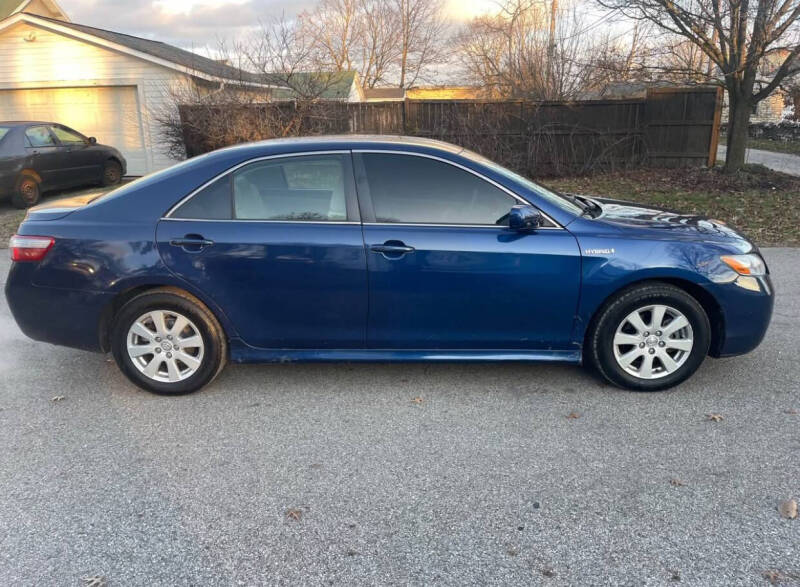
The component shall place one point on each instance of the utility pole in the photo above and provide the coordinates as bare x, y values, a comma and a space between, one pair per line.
551, 48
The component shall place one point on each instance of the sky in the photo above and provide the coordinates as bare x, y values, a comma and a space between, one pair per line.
200, 23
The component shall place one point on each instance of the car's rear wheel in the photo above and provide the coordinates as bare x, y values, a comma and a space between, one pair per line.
27, 193
112, 173
168, 342
649, 337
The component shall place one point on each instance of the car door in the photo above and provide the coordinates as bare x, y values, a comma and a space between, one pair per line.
46, 157
277, 245
446, 272
81, 163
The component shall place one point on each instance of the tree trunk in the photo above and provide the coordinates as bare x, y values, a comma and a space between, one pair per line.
796, 102
738, 122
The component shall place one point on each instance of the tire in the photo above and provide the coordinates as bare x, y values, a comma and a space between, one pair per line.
27, 193
203, 345
656, 355
112, 173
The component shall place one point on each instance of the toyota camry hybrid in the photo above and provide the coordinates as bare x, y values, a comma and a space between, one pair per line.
379, 249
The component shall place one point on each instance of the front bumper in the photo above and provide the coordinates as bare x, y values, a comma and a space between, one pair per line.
746, 315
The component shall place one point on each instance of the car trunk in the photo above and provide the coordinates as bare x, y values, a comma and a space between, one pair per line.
59, 208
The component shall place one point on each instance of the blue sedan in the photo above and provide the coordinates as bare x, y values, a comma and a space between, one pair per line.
379, 249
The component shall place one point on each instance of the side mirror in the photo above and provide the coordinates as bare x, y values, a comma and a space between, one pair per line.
92, 141
524, 217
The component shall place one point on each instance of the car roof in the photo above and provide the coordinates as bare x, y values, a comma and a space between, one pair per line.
354, 141
14, 123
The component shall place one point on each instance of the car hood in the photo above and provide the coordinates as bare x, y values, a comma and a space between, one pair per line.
656, 221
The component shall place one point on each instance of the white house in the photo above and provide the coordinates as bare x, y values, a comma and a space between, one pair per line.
102, 83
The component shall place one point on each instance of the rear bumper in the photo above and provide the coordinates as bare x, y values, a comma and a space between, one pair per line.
746, 316
59, 316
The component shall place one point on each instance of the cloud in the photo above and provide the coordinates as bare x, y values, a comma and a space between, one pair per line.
186, 24
201, 24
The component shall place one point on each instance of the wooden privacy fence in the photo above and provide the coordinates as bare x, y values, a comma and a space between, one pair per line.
669, 127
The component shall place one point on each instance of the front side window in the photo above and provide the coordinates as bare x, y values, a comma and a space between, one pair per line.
67, 137
39, 136
409, 189
312, 188
536, 188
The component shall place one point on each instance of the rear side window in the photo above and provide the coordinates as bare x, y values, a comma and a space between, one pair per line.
3, 131
311, 188
418, 190
213, 202
39, 136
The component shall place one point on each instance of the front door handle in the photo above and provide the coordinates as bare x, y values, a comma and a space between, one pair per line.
392, 249
192, 243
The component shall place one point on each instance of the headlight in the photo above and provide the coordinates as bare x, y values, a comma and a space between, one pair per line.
751, 264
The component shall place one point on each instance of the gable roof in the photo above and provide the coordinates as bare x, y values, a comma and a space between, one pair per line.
155, 51
384, 93
324, 85
170, 53
9, 7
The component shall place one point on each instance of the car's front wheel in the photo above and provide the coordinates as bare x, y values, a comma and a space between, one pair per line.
112, 173
649, 337
166, 341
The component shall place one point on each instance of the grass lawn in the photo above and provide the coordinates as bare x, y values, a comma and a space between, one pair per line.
790, 147
763, 204
9, 221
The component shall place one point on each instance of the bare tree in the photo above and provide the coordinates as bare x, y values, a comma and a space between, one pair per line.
522, 51
386, 41
380, 46
624, 57
422, 32
736, 36
334, 29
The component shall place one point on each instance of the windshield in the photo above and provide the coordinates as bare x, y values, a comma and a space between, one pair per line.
540, 190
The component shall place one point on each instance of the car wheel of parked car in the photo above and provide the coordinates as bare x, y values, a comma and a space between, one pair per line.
28, 192
112, 173
649, 337
166, 341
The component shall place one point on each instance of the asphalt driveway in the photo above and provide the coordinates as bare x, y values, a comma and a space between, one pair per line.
783, 162
401, 474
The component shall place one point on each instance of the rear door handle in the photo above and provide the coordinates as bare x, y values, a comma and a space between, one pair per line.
191, 243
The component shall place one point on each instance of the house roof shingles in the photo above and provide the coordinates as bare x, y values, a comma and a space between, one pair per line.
385, 93
170, 53
327, 86
7, 7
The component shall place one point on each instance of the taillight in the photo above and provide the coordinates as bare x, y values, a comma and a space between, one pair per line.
30, 248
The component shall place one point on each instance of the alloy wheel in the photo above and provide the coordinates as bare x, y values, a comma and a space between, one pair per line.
165, 346
653, 341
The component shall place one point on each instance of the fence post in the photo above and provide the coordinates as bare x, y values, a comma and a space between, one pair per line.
712, 149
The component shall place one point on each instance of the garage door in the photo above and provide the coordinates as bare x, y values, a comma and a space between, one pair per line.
109, 113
